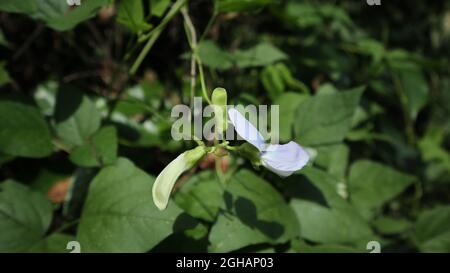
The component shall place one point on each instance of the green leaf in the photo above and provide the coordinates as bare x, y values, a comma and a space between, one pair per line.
25, 6
288, 103
241, 5
4, 158
55, 243
299, 246
373, 48
433, 152
415, 89
119, 215
100, 149
260, 55
131, 14
254, 212
273, 82
326, 187
3, 41
24, 217
334, 158
326, 119
158, 7
389, 225
432, 230
76, 117
372, 184
328, 219
213, 56
277, 79
290, 81
4, 75
409, 80
191, 196
334, 226
23, 130
55, 13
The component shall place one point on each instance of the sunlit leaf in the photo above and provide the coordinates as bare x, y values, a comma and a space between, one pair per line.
119, 214
23, 130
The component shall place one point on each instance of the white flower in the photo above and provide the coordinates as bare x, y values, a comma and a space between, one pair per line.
282, 159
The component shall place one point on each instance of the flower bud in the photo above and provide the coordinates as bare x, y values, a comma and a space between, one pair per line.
219, 101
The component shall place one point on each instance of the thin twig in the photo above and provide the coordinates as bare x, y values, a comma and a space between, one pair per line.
29, 41
192, 39
155, 34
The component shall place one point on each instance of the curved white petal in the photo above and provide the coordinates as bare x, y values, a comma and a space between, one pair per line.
245, 129
166, 180
284, 159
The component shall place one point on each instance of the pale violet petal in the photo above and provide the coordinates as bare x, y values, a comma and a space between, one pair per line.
245, 129
284, 159
280, 173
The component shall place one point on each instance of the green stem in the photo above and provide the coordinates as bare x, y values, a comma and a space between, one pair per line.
191, 36
192, 39
202, 79
210, 23
154, 35
232, 148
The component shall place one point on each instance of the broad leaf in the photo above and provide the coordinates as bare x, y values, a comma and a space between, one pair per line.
409, 80
213, 56
389, 225
372, 184
131, 14
119, 214
100, 149
288, 103
254, 212
324, 216
23, 130
326, 119
76, 117
191, 196
259, 55
327, 225
57, 14
24, 217
55, 243
4, 75
334, 158
273, 82
432, 230
158, 7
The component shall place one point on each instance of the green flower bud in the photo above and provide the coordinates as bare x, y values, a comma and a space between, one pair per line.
165, 181
219, 101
